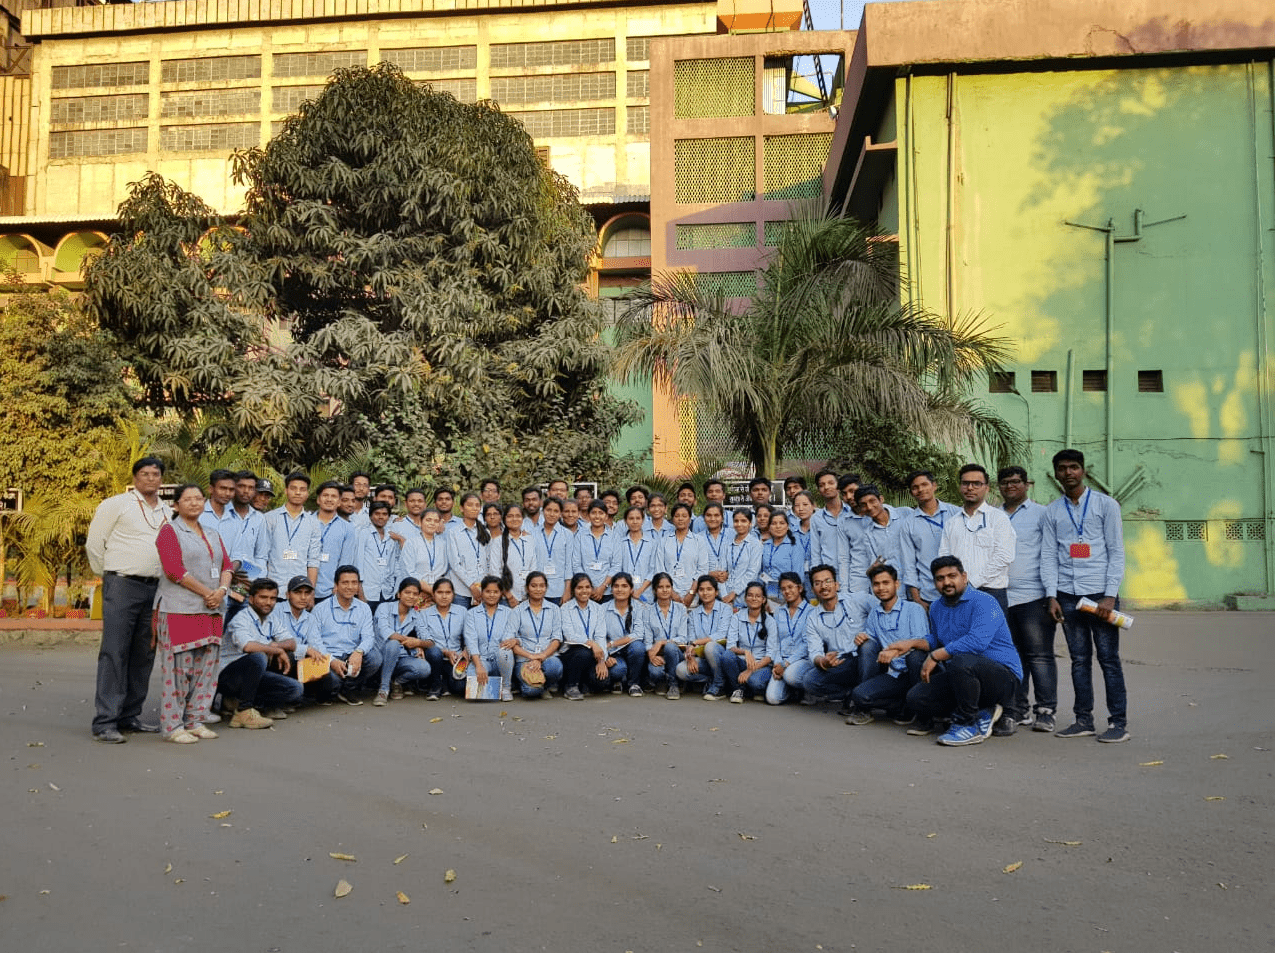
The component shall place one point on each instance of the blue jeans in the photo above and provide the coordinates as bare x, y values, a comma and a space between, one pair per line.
249, 680
502, 664
887, 692
551, 666
834, 682
400, 665
630, 664
1086, 633
780, 689
1033, 632
961, 687
579, 670
731, 666
672, 656
869, 667
368, 671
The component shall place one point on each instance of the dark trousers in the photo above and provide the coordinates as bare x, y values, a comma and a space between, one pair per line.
125, 657
1088, 635
249, 680
1033, 632
887, 692
961, 687
578, 666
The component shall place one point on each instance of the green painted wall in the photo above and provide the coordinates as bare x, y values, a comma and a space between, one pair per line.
1024, 154
636, 438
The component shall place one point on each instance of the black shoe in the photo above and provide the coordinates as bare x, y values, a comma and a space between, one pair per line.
109, 736
135, 725
1004, 726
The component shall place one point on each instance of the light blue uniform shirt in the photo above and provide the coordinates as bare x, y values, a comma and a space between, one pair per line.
708, 625
874, 541
717, 550
684, 560
790, 634
229, 526
835, 631
905, 620
1024, 571
828, 539
246, 627
386, 622
536, 631
554, 550
344, 631
425, 559
743, 564
376, 557
615, 624
465, 557
303, 629
447, 631
484, 632
919, 540
287, 546
743, 634
523, 559
337, 547
593, 555
580, 626
637, 559
778, 558
668, 626
1094, 523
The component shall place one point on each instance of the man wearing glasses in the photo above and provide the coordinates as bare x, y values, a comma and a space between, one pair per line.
981, 536
1028, 614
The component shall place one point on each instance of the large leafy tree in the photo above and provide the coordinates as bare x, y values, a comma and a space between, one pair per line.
824, 344
425, 264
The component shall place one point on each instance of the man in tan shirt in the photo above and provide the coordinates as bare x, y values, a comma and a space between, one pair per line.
121, 547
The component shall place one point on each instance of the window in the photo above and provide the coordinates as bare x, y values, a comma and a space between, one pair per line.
1150, 382
1001, 382
1093, 381
628, 243
1044, 382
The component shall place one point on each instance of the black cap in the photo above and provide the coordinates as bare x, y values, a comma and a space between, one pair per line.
299, 582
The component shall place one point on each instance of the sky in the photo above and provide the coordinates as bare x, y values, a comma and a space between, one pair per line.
827, 13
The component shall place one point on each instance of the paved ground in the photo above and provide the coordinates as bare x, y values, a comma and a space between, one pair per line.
633, 825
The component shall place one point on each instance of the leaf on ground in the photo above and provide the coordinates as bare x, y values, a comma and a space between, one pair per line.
1150, 764
453, 747
620, 741
1064, 843
550, 737
714, 889
714, 729
434, 721
168, 868
179, 880
54, 787
343, 888
219, 792
614, 839
335, 856
449, 877
399, 859
743, 836
1010, 868
1218, 757
35, 744
932, 835
916, 887
220, 814
502, 714
1215, 797
435, 790
403, 898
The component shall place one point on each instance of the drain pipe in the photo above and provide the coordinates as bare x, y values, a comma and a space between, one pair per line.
1070, 402
1263, 344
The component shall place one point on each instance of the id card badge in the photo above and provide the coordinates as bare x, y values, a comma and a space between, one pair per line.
289, 554
765, 577
679, 572
382, 561
551, 569
323, 557
214, 573
637, 581
1079, 550
596, 567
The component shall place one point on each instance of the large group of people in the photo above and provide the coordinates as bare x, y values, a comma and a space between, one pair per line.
940, 617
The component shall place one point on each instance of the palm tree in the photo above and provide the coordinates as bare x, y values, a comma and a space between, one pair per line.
823, 343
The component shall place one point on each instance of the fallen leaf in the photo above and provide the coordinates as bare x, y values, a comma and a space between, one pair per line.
435, 790
620, 741
1064, 843
916, 887
434, 721
1222, 885
1012, 867
1149, 764
502, 714
641, 837
932, 835
403, 898
343, 888
220, 814
743, 836
398, 860
227, 825
168, 868
715, 890
35, 744
449, 877
1218, 757
1215, 797
179, 880
335, 856
219, 792
714, 729
54, 786
453, 747
715, 780
44, 893
550, 737
659, 846
614, 839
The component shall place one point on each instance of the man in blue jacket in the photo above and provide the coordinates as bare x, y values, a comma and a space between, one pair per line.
972, 669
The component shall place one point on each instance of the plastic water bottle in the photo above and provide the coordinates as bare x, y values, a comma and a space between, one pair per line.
898, 665
1116, 618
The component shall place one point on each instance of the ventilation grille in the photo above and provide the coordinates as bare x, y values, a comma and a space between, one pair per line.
432, 59
772, 233
316, 64
714, 171
202, 103
558, 123
637, 85
713, 89
793, 165
724, 235
728, 284
101, 75
99, 109
222, 137
96, 142
565, 87
557, 53
210, 69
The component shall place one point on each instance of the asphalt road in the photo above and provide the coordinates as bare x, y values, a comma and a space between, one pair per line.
620, 824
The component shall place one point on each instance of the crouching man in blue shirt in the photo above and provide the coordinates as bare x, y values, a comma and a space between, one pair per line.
973, 669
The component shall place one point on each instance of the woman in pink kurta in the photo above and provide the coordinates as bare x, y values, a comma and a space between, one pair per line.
192, 592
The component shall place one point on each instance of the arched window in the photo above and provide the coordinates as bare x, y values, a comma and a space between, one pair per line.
631, 241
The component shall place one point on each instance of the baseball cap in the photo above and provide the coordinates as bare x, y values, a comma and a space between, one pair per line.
265, 486
299, 582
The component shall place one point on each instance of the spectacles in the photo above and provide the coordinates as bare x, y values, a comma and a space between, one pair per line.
1014, 481
973, 483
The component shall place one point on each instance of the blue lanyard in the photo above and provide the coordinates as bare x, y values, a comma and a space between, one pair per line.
805, 543
752, 635
550, 539
930, 519
265, 638
473, 540
323, 540
597, 547
771, 548
349, 613
292, 531
536, 629
584, 625
431, 546
633, 560
668, 629
791, 625
896, 611
1080, 527
717, 550
491, 624
982, 525
712, 621
295, 626
734, 559
522, 547
841, 612
677, 559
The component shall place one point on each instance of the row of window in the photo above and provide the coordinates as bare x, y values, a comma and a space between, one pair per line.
1094, 381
